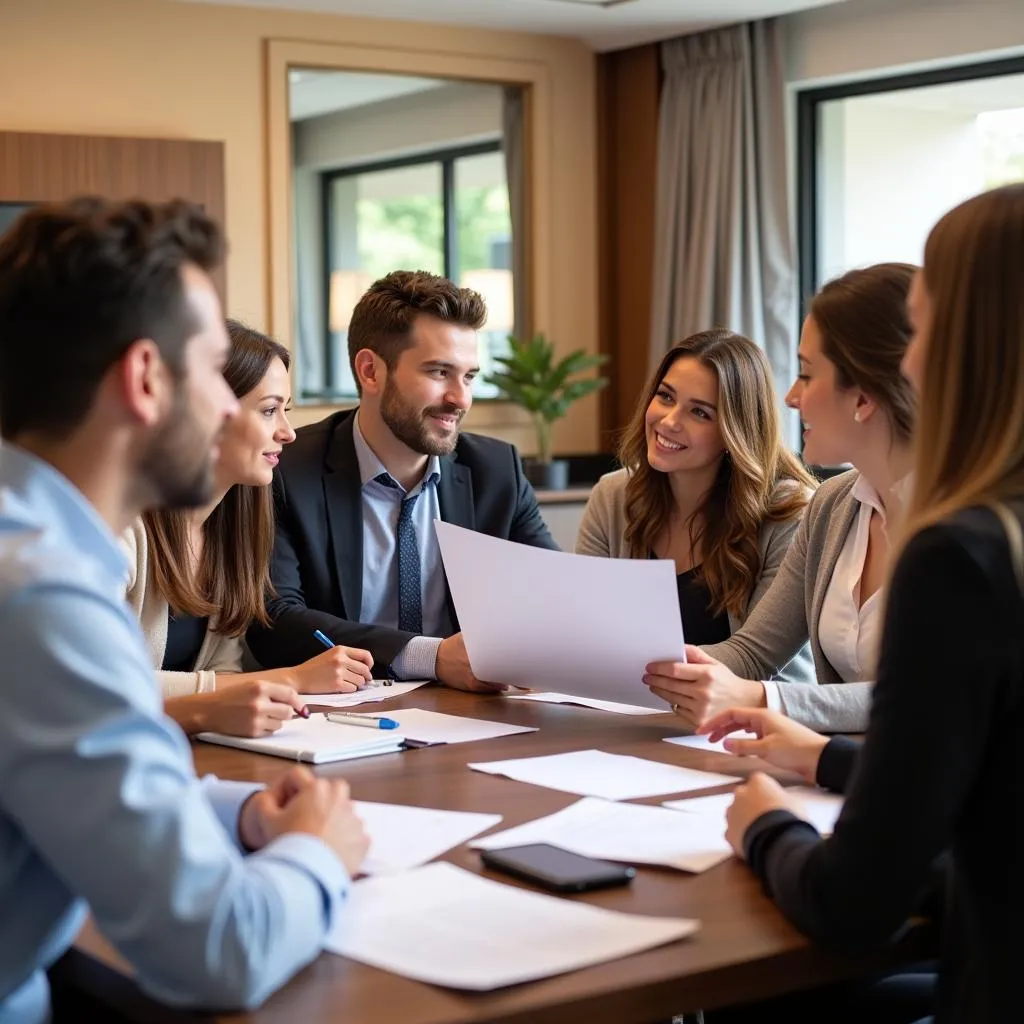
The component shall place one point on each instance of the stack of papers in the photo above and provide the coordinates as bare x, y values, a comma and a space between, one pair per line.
446, 926
405, 837
821, 809
588, 702
374, 692
315, 740
622, 832
612, 776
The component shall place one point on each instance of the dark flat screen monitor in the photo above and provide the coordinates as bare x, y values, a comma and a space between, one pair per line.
10, 212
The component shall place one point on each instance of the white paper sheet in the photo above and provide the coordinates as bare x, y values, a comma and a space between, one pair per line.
569, 623
611, 776
622, 832
374, 693
446, 926
821, 809
588, 702
434, 727
703, 743
404, 837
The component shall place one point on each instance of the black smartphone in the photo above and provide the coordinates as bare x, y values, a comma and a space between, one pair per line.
556, 869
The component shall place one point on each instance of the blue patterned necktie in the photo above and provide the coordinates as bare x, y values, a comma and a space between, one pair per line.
410, 601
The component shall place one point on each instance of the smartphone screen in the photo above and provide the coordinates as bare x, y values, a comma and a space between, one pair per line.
556, 869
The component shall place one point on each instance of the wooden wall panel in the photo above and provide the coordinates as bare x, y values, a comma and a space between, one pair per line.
47, 168
629, 85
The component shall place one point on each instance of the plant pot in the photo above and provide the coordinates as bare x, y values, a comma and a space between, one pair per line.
547, 476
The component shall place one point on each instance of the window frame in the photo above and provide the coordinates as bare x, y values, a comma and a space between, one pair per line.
447, 157
808, 177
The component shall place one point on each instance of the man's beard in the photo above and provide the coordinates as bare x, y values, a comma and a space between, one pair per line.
408, 424
178, 463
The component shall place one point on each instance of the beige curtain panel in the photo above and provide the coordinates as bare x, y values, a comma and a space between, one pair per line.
513, 144
723, 245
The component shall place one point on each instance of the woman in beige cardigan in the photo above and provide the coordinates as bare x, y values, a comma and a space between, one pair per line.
199, 577
709, 485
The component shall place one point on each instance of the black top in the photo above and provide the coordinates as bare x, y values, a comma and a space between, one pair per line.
185, 635
700, 626
317, 565
939, 771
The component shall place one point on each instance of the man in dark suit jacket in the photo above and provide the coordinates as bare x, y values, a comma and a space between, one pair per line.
355, 554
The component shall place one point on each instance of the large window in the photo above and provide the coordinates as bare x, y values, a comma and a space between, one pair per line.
447, 212
881, 161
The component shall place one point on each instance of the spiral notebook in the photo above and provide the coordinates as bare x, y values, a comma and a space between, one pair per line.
315, 740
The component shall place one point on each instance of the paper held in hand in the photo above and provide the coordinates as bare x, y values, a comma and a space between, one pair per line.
570, 623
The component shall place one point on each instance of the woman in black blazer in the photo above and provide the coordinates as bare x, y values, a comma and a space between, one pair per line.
939, 770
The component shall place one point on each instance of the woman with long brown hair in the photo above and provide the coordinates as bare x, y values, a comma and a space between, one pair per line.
858, 409
707, 483
200, 577
938, 770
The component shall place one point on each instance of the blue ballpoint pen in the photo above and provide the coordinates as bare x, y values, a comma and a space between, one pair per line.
328, 642
324, 638
369, 721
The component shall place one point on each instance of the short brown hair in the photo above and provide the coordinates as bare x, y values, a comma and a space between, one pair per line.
79, 283
383, 318
865, 330
233, 580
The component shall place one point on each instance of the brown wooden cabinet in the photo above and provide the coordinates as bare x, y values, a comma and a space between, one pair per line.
36, 167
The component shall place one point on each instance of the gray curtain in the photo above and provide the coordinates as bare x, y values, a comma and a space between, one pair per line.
513, 144
723, 247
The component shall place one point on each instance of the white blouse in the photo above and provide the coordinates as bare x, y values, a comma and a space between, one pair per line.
850, 632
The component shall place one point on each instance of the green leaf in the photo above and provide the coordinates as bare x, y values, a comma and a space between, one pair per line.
530, 376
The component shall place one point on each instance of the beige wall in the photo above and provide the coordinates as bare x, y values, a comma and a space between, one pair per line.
161, 69
868, 38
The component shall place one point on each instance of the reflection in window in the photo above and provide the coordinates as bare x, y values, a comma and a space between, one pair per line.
447, 213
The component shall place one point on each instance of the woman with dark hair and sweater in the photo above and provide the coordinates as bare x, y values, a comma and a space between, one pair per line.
200, 577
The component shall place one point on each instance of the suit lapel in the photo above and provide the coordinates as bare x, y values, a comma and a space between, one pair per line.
344, 497
455, 494
455, 498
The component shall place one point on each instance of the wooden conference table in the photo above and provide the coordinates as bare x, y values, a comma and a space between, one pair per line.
745, 949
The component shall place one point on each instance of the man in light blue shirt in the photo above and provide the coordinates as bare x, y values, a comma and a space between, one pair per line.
111, 399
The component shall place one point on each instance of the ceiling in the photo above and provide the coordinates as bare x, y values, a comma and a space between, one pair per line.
602, 24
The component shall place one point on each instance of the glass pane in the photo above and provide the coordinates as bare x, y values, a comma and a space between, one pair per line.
890, 164
379, 221
482, 253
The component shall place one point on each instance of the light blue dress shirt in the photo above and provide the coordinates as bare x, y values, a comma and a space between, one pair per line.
99, 801
381, 508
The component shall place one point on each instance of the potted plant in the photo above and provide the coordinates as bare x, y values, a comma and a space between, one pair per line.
530, 377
